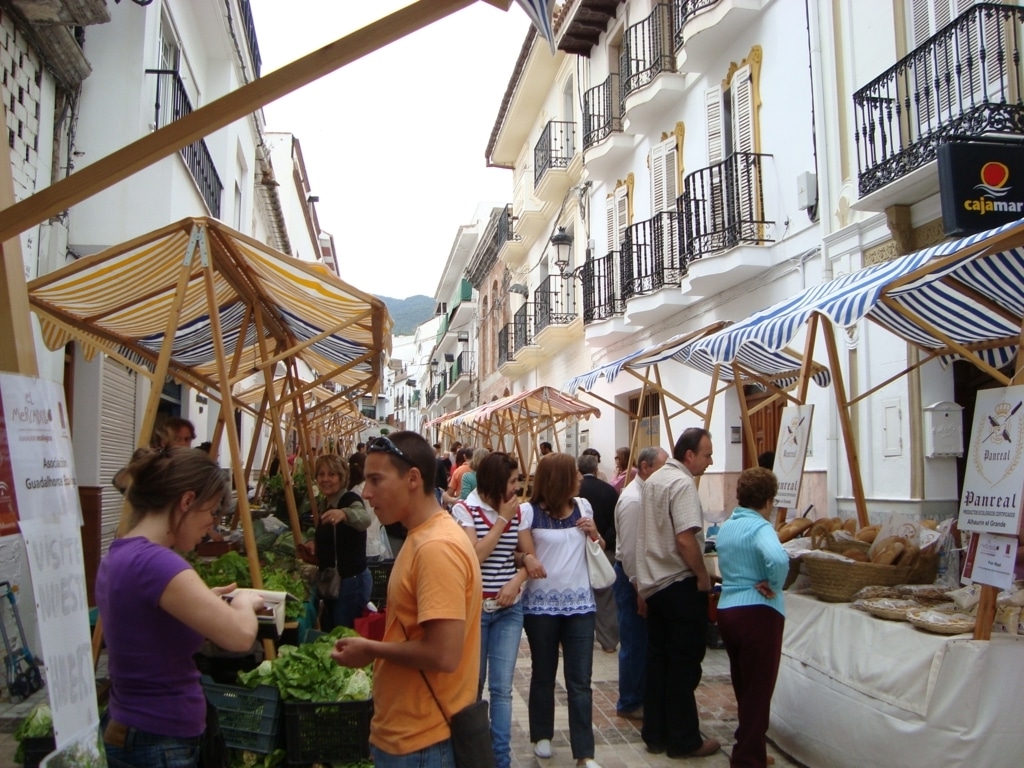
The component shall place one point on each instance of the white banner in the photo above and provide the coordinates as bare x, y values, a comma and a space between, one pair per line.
994, 478
37, 473
790, 452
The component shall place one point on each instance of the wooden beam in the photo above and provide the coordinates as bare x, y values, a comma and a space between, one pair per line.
219, 113
18, 352
845, 424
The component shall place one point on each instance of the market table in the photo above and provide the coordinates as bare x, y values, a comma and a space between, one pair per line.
855, 690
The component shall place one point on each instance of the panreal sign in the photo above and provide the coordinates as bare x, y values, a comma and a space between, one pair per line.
981, 185
994, 479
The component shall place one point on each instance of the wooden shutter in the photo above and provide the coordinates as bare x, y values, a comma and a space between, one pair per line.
117, 441
744, 179
664, 174
713, 112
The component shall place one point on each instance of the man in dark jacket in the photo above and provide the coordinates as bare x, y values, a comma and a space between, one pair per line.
602, 498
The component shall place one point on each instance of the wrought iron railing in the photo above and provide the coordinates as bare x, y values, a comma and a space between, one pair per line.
722, 206
554, 302
602, 111
522, 327
506, 343
554, 149
683, 10
506, 227
172, 99
462, 365
963, 81
647, 50
602, 289
650, 255
250, 35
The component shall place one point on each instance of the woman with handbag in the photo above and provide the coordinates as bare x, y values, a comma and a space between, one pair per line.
559, 610
156, 611
490, 516
343, 579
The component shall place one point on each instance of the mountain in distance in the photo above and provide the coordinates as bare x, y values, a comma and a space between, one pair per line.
409, 313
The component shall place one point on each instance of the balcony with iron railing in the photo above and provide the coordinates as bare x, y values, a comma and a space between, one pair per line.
173, 103
604, 142
722, 209
651, 269
602, 289
513, 245
702, 29
460, 373
518, 352
250, 35
556, 321
964, 81
647, 69
553, 157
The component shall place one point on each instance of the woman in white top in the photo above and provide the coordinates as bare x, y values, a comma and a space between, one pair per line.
559, 610
491, 517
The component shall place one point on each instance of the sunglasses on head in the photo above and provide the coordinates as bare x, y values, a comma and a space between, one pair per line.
384, 445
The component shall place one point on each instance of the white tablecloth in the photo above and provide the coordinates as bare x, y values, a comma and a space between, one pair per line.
854, 690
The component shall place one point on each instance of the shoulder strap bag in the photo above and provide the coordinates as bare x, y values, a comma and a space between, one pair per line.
470, 728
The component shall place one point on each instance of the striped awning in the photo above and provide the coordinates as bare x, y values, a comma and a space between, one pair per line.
441, 419
609, 370
538, 403
969, 291
120, 302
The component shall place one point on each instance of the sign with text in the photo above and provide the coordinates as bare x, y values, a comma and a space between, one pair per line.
991, 559
994, 477
37, 473
981, 185
794, 434
38, 470
54, 546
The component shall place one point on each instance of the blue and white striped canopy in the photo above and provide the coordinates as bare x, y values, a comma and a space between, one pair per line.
608, 370
970, 290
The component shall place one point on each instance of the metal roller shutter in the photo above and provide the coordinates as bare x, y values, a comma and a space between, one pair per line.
117, 440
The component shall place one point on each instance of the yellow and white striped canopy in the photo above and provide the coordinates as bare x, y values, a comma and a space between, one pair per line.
123, 302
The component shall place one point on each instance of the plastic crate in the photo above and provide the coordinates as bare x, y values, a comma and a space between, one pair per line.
225, 669
333, 732
248, 717
36, 749
380, 572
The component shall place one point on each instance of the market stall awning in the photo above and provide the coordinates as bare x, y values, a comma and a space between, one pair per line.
968, 291
441, 419
538, 403
120, 301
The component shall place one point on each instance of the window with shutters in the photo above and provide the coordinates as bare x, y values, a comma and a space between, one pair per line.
964, 70
648, 413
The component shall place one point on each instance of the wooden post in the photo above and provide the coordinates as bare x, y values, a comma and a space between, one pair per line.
844, 422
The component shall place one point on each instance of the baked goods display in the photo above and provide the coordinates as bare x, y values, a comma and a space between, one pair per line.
893, 608
941, 622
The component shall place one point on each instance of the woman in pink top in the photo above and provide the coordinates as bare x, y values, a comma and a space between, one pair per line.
623, 472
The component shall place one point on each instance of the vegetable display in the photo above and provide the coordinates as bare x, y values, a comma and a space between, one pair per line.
308, 673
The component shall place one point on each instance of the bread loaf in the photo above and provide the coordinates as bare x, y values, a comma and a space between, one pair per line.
856, 554
850, 525
888, 551
867, 534
911, 554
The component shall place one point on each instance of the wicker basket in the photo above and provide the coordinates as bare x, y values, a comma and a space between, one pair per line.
822, 539
836, 581
794, 572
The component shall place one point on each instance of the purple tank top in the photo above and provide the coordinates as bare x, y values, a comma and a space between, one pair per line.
155, 683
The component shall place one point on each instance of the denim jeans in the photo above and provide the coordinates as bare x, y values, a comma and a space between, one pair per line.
677, 622
575, 634
144, 750
352, 598
499, 646
435, 756
632, 645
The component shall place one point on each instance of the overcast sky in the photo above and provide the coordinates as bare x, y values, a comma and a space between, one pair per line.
394, 143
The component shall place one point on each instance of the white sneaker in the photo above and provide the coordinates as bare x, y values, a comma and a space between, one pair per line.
589, 763
543, 749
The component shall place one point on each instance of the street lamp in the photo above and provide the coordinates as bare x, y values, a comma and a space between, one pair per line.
562, 241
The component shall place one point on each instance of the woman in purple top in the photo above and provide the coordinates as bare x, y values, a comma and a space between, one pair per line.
156, 611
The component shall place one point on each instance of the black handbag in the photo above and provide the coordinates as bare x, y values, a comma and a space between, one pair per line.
328, 580
471, 733
470, 727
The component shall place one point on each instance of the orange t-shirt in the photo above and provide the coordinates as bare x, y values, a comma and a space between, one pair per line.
435, 576
456, 481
